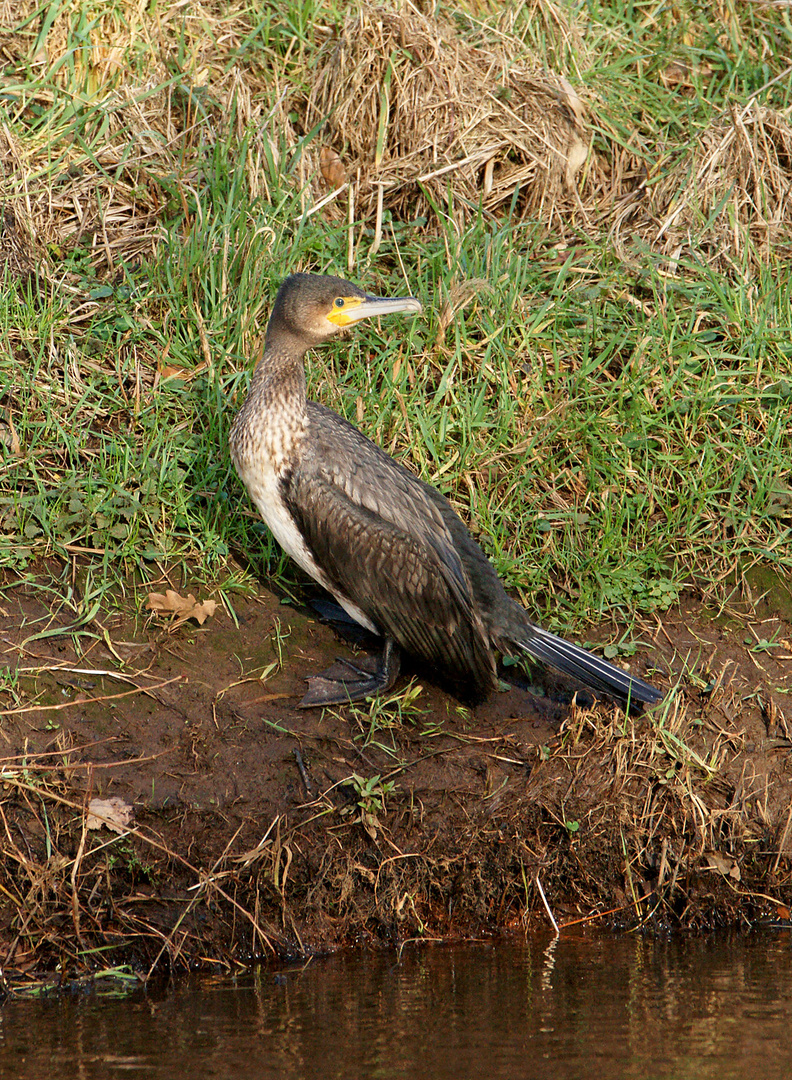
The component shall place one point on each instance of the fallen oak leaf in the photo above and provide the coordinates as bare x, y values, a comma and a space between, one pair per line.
112, 813
183, 607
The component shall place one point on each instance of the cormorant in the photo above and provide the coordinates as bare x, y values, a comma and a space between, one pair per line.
387, 546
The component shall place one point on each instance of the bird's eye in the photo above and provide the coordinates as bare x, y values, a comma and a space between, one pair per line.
339, 302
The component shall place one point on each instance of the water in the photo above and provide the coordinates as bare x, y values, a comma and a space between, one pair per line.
582, 1008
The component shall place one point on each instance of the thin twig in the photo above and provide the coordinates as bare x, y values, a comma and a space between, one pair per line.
351, 229
547, 906
92, 701
78, 860
378, 225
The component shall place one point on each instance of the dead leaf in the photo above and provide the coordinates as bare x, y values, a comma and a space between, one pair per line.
112, 813
577, 152
724, 865
370, 823
183, 607
489, 170
9, 437
333, 171
678, 73
570, 97
173, 371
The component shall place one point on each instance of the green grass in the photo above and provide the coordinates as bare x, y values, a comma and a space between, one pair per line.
609, 433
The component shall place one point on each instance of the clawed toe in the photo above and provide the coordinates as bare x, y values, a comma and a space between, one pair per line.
346, 680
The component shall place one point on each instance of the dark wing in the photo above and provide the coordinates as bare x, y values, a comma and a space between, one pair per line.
377, 533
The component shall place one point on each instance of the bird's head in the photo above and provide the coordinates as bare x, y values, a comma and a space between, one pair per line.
310, 308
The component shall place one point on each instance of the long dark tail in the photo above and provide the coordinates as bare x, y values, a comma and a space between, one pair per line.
585, 667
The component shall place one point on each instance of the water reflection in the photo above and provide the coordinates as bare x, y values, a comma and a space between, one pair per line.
584, 1007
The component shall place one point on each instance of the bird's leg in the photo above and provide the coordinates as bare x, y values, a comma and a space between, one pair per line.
346, 681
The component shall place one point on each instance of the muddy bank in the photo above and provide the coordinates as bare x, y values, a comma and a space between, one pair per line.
248, 828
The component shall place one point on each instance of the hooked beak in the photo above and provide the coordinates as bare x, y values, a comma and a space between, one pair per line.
376, 305
386, 305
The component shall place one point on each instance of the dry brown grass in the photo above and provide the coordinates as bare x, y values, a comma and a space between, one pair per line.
417, 109
127, 123
421, 123
729, 197
681, 818
416, 119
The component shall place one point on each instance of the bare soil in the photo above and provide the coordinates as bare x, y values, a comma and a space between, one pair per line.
261, 830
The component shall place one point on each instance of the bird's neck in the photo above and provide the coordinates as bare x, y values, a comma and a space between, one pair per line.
271, 424
279, 381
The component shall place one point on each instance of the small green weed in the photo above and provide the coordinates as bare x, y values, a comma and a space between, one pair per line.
370, 802
382, 718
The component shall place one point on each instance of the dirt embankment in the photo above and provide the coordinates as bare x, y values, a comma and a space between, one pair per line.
261, 830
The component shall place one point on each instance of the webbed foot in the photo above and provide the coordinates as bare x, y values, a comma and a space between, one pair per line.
348, 680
